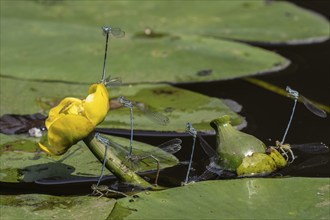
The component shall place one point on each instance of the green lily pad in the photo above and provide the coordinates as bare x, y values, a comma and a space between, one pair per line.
179, 105
38, 206
67, 50
257, 21
22, 161
31, 97
280, 198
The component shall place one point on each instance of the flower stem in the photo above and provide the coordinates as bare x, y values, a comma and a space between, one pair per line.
114, 164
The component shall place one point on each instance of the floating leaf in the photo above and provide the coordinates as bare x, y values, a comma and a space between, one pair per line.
70, 50
39, 206
179, 105
22, 161
280, 198
258, 21
32, 97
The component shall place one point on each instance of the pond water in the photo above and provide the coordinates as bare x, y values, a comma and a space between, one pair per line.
267, 113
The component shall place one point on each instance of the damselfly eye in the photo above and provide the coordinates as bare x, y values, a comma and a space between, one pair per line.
106, 30
292, 93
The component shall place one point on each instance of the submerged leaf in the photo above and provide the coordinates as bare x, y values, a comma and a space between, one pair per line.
39, 206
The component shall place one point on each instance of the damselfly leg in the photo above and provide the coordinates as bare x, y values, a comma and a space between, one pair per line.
286, 151
103, 190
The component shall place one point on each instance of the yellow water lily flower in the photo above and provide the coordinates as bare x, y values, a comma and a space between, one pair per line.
73, 119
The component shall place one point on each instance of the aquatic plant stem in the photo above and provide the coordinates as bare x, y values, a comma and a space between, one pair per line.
114, 164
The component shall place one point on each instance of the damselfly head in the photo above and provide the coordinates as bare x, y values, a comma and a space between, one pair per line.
191, 130
188, 126
125, 102
106, 30
292, 93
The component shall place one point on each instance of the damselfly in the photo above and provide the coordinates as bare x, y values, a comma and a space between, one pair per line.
103, 190
136, 161
212, 154
116, 32
154, 116
308, 104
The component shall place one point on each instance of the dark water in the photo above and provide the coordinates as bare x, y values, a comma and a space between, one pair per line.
267, 113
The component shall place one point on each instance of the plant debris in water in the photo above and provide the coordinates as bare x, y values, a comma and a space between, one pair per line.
18, 124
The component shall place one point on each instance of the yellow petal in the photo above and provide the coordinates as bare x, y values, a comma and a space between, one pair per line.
96, 105
66, 106
43, 144
65, 132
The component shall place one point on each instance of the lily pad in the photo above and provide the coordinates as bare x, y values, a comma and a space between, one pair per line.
280, 198
22, 161
67, 50
179, 105
258, 21
38, 206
